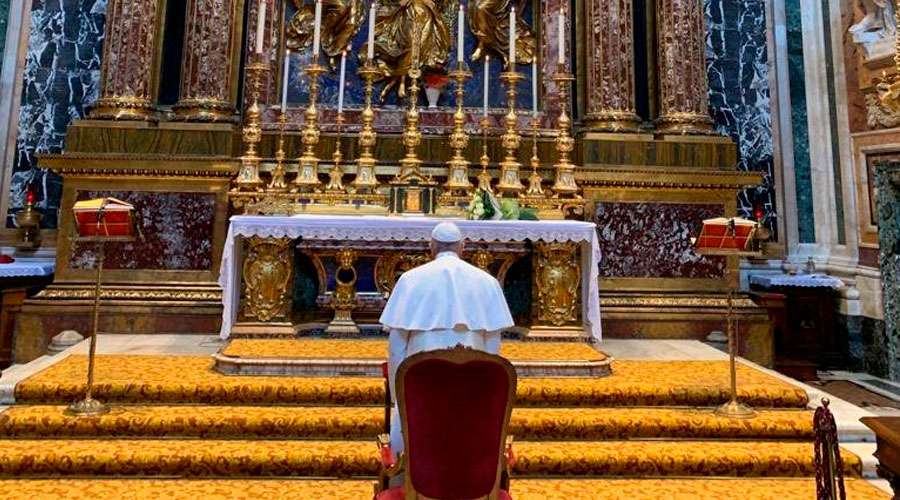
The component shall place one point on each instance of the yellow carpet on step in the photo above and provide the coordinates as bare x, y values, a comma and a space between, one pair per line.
206, 457
525, 489
190, 379
377, 349
366, 422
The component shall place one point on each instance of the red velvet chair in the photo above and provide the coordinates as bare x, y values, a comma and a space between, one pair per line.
454, 405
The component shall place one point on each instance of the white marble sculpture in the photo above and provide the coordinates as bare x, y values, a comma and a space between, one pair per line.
877, 29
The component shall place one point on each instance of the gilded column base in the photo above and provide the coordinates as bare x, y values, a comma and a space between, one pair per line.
613, 121
204, 110
124, 108
685, 124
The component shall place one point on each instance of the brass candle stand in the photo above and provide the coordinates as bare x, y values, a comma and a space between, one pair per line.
336, 175
458, 166
534, 180
564, 182
484, 178
278, 184
509, 168
308, 171
366, 179
412, 136
248, 177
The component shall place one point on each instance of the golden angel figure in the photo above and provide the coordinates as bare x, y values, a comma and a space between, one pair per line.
489, 22
402, 24
341, 21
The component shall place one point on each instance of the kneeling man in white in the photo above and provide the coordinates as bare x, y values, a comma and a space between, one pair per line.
440, 305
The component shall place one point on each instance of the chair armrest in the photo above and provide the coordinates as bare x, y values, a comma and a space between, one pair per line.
509, 453
384, 370
386, 454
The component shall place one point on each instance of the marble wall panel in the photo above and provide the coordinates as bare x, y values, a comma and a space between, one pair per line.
4, 22
177, 230
887, 181
739, 98
652, 240
61, 76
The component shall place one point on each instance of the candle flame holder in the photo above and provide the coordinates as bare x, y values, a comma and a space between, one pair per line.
458, 166
366, 179
277, 184
308, 172
336, 175
484, 178
564, 183
509, 167
534, 180
411, 164
248, 177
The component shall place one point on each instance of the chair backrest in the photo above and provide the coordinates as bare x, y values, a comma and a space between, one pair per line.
455, 406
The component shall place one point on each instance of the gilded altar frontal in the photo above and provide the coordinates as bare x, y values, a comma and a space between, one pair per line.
689, 207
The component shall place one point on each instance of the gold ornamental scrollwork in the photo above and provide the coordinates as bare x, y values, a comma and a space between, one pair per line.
391, 265
341, 21
557, 277
489, 22
343, 301
268, 271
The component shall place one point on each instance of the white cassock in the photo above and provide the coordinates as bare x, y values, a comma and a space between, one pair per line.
440, 305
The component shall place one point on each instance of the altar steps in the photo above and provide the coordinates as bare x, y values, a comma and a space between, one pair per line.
150, 379
287, 422
522, 489
343, 459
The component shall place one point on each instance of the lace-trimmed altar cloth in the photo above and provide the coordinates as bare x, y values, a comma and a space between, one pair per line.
799, 280
380, 228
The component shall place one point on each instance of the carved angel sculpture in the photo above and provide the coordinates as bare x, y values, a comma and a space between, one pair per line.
341, 21
489, 22
399, 25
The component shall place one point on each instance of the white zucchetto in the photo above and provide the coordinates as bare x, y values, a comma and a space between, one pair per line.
446, 232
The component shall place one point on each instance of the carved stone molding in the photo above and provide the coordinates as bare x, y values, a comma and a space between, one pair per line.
207, 75
557, 279
128, 68
683, 83
268, 272
610, 74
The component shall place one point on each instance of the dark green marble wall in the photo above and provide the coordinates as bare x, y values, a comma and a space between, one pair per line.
887, 182
4, 22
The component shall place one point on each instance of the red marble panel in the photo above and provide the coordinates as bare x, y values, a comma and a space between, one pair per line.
652, 240
177, 231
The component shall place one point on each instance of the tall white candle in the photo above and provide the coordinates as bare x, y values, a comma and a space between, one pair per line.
512, 38
487, 76
534, 86
284, 80
260, 26
343, 72
561, 42
460, 23
370, 47
317, 28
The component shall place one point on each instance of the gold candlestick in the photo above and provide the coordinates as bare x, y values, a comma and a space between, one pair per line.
564, 183
248, 177
412, 136
308, 173
365, 164
535, 179
509, 167
458, 166
277, 184
484, 178
336, 175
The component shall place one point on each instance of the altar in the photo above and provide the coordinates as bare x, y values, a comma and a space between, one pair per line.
257, 268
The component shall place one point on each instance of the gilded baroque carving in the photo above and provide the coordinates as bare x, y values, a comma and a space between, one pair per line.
483, 260
127, 69
489, 22
341, 21
268, 271
610, 79
557, 277
391, 265
683, 83
879, 114
343, 301
125, 294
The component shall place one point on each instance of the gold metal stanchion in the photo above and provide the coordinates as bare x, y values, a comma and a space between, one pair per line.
733, 408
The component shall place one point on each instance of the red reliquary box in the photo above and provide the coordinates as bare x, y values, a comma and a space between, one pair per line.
115, 217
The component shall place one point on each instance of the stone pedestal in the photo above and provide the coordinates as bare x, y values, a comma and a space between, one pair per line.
610, 72
128, 73
208, 79
681, 50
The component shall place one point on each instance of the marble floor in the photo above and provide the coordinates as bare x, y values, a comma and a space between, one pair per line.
852, 434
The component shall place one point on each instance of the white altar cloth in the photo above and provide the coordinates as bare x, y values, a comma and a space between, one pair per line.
799, 280
24, 267
381, 228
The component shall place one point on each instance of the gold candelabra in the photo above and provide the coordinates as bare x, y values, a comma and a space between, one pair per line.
484, 178
277, 184
564, 182
308, 172
336, 175
365, 164
412, 136
248, 177
458, 166
509, 167
534, 180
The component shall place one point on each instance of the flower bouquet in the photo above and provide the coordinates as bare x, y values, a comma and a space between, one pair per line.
485, 206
